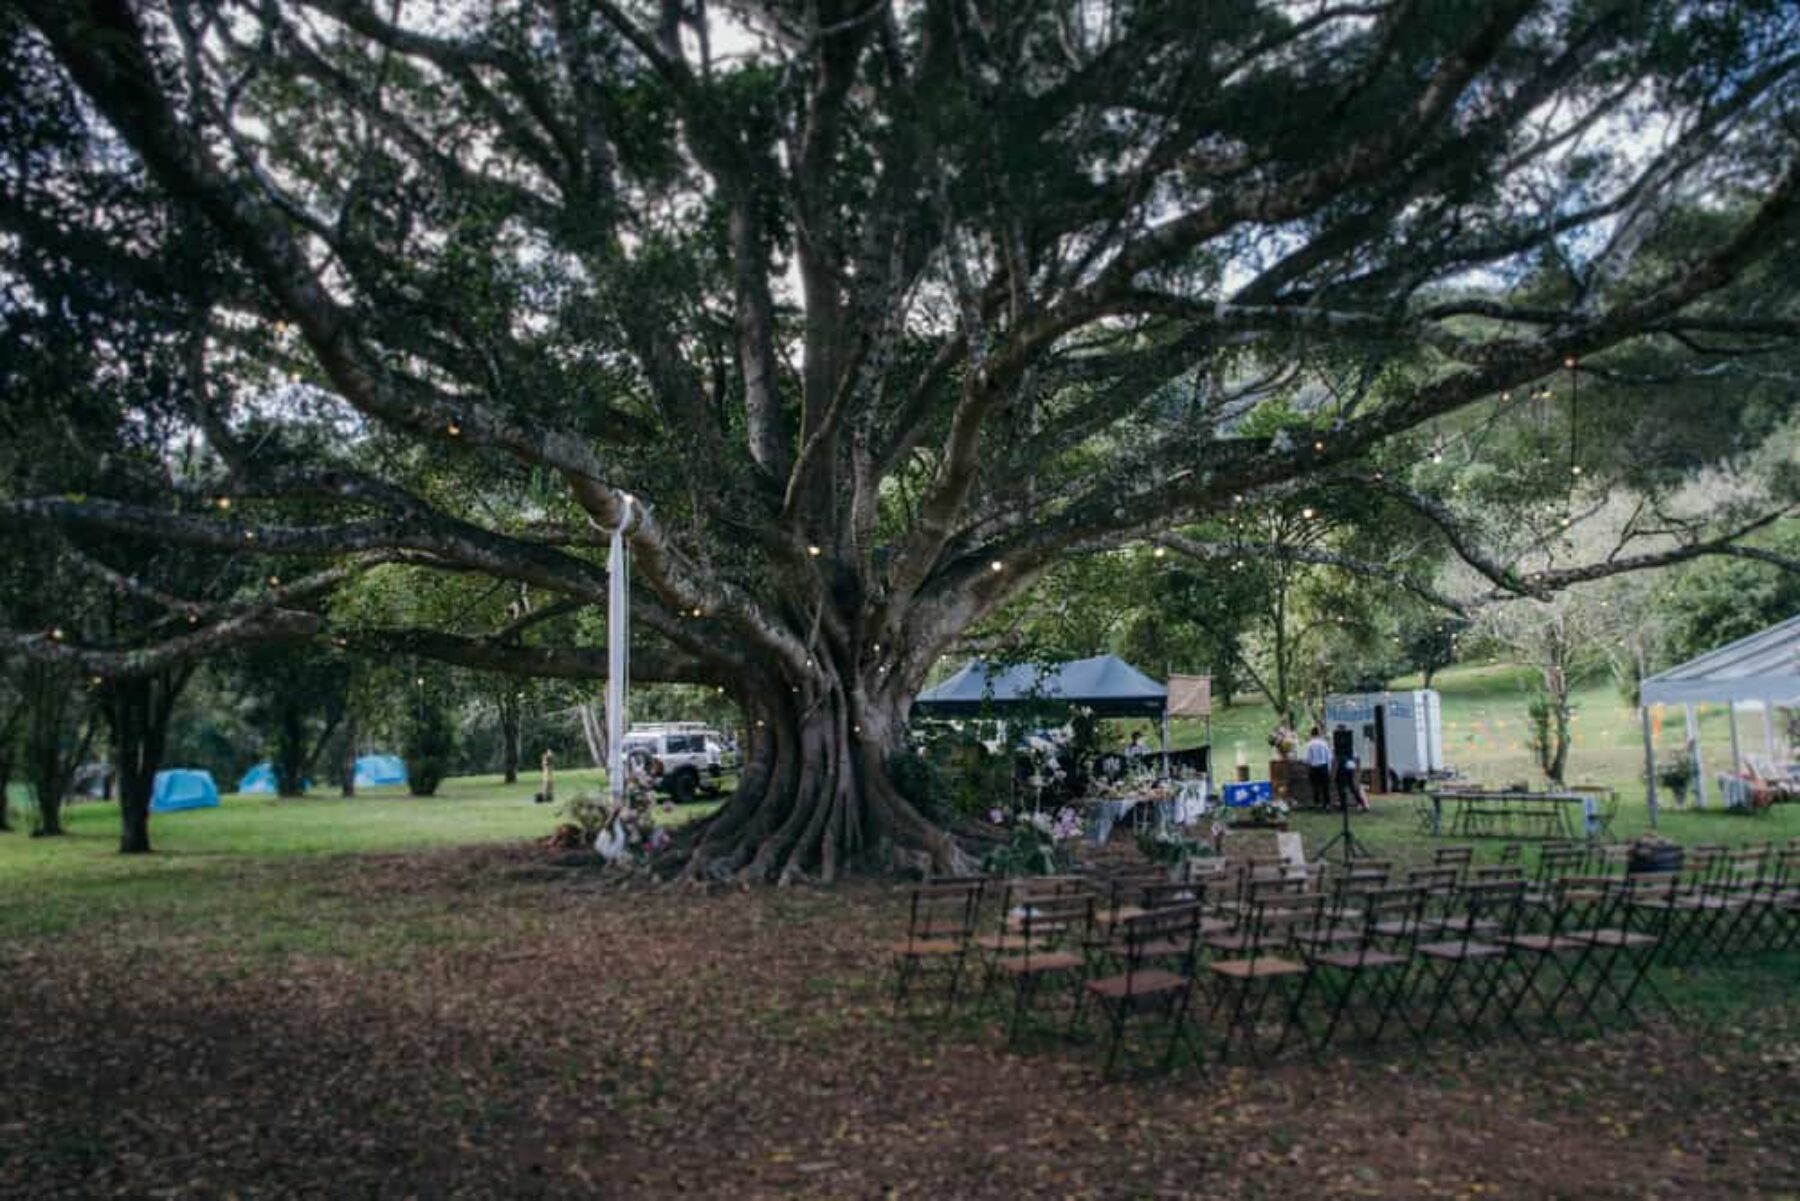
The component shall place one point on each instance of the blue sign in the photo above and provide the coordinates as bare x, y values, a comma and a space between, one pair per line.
1242, 796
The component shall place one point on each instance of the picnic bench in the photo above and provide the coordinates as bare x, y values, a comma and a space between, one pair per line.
1520, 813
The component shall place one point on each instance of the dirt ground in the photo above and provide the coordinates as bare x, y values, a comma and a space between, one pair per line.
478, 1023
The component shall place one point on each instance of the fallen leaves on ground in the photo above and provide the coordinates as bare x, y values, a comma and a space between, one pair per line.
483, 1024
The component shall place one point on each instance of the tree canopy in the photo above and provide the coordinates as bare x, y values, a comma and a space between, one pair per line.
859, 318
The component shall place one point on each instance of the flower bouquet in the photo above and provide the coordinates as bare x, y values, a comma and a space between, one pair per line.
1036, 844
1271, 813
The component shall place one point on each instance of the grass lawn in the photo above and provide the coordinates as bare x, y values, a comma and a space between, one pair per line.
210, 866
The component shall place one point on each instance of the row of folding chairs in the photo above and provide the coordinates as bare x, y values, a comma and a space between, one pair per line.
1235, 957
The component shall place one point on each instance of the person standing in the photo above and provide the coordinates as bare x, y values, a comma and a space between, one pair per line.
1348, 788
1134, 754
1318, 768
547, 794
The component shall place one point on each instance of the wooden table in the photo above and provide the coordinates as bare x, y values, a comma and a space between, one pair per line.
1540, 815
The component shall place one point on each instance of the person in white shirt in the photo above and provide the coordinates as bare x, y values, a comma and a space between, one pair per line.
1318, 767
1134, 754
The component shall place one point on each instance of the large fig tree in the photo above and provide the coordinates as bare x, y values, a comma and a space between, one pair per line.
857, 315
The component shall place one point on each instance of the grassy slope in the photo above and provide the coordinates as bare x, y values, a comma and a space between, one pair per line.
1485, 731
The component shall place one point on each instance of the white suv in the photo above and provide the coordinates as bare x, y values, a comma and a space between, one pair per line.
681, 758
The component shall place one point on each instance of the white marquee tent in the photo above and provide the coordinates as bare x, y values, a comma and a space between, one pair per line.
1758, 672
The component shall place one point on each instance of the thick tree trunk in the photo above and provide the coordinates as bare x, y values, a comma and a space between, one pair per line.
134, 823
5, 783
349, 765
139, 710
49, 813
53, 748
815, 799
290, 752
509, 738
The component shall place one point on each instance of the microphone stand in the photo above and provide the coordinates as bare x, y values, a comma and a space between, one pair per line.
1352, 847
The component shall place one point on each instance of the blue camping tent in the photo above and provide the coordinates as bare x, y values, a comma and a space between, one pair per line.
183, 788
1106, 684
261, 778
379, 771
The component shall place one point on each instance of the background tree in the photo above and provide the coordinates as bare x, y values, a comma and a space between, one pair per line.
426, 721
861, 328
12, 718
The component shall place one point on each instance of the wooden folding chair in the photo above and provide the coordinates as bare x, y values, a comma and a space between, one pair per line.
1054, 933
1745, 876
1006, 935
1147, 982
1555, 861
1617, 945
1259, 966
1549, 960
940, 921
1459, 858
1462, 969
1362, 970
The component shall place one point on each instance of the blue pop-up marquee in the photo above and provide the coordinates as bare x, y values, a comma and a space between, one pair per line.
182, 788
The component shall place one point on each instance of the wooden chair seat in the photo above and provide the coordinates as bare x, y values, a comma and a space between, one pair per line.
926, 948
1113, 917
1006, 942
1611, 937
1457, 949
1362, 957
1542, 943
1320, 938
1159, 948
1241, 940
1408, 927
1032, 965
1712, 903
1256, 969
1138, 984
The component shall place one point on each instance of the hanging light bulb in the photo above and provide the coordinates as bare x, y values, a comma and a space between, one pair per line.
1307, 513
1159, 552
996, 565
224, 503
814, 551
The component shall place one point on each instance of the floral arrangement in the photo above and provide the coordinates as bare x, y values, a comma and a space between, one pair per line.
1117, 790
1284, 740
1173, 847
617, 833
1036, 845
1267, 813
